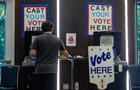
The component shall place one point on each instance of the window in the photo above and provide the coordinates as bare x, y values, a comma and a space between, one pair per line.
138, 30
2, 31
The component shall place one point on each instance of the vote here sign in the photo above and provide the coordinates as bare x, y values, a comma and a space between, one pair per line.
99, 17
101, 65
33, 15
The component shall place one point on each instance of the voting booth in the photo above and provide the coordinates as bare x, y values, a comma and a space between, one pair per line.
29, 78
81, 76
134, 72
65, 74
106, 70
120, 78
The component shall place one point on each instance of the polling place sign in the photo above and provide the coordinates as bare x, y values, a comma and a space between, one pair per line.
101, 65
33, 15
99, 17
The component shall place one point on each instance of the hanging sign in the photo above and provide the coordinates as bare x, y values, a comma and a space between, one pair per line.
101, 65
70, 39
99, 17
33, 15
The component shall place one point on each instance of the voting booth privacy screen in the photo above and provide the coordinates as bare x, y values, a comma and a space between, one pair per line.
116, 36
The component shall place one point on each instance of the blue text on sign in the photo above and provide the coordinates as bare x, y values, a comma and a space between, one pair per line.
99, 59
101, 14
101, 70
35, 16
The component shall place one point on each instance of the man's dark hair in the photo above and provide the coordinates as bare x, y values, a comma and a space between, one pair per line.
47, 26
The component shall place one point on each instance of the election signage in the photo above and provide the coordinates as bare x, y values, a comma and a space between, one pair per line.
99, 17
70, 39
33, 15
101, 65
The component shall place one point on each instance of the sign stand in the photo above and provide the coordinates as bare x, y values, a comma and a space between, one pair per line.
102, 83
101, 66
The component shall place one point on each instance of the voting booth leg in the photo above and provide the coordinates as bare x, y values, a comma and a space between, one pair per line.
65, 74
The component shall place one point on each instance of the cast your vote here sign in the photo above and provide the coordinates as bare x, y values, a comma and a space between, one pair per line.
101, 65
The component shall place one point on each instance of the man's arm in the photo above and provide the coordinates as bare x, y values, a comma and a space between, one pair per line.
33, 52
65, 53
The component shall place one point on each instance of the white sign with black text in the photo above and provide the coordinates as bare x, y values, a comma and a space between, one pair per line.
101, 65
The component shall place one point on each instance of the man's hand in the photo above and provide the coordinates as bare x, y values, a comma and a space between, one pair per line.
65, 53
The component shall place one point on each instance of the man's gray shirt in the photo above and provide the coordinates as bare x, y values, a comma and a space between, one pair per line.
47, 46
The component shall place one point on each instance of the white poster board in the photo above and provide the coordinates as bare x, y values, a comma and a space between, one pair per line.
101, 65
99, 17
32, 17
70, 39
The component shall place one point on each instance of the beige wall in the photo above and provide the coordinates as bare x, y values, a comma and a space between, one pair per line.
10, 31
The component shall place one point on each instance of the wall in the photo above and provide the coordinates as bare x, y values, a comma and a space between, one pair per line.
72, 20
10, 31
131, 32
